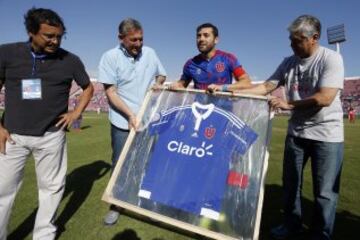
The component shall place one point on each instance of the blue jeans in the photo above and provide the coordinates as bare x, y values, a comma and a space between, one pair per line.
326, 164
118, 139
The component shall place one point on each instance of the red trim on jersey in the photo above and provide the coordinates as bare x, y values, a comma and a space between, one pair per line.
238, 179
239, 71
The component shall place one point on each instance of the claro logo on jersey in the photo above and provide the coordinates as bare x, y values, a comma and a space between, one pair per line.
182, 148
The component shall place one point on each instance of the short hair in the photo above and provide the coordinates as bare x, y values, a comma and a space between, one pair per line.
37, 16
208, 25
129, 24
306, 24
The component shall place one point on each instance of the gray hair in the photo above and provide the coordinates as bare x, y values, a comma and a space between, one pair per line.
306, 24
129, 24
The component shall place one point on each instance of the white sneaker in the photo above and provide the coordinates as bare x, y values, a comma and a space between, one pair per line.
111, 217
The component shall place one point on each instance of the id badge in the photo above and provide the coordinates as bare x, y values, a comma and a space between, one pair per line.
31, 88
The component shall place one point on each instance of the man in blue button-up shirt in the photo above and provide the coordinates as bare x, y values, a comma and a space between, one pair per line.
127, 72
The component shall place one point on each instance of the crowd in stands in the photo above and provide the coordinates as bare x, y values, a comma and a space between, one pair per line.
2, 99
351, 95
99, 103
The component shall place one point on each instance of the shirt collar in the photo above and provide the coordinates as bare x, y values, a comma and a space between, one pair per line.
40, 55
127, 54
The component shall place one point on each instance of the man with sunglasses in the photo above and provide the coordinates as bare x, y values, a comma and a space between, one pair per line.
37, 76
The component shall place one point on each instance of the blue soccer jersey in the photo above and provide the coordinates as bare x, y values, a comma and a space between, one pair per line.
218, 70
190, 161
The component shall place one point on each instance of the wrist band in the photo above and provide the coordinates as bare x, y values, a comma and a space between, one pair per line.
224, 88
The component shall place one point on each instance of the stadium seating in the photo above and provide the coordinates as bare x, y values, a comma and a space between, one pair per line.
351, 94
99, 103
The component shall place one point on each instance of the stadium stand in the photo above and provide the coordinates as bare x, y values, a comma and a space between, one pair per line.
99, 102
351, 94
2, 99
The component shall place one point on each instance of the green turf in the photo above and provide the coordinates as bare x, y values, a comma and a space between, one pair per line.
82, 210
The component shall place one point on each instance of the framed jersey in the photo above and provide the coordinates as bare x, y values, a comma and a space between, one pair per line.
196, 162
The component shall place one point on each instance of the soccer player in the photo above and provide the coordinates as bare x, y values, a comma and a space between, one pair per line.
212, 69
313, 78
37, 76
127, 72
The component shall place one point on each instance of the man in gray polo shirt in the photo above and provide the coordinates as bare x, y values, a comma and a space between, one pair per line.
313, 78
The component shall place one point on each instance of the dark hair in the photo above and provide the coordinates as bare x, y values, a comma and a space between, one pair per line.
37, 16
208, 25
127, 25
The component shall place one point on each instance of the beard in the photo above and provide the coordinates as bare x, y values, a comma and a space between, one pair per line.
205, 49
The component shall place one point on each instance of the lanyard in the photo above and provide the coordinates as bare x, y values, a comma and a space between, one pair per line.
34, 58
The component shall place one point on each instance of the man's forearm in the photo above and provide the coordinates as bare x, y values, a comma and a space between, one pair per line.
323, 98
319, 99
243, 82
259, 89
117, 102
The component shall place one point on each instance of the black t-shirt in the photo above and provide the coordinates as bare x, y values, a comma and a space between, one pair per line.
53, 75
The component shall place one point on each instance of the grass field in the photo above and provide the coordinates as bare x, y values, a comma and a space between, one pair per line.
81, 211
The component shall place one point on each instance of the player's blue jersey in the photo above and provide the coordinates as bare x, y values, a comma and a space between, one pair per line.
190, 161
218, 70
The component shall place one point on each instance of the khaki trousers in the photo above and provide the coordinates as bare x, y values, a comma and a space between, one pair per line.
50, 154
